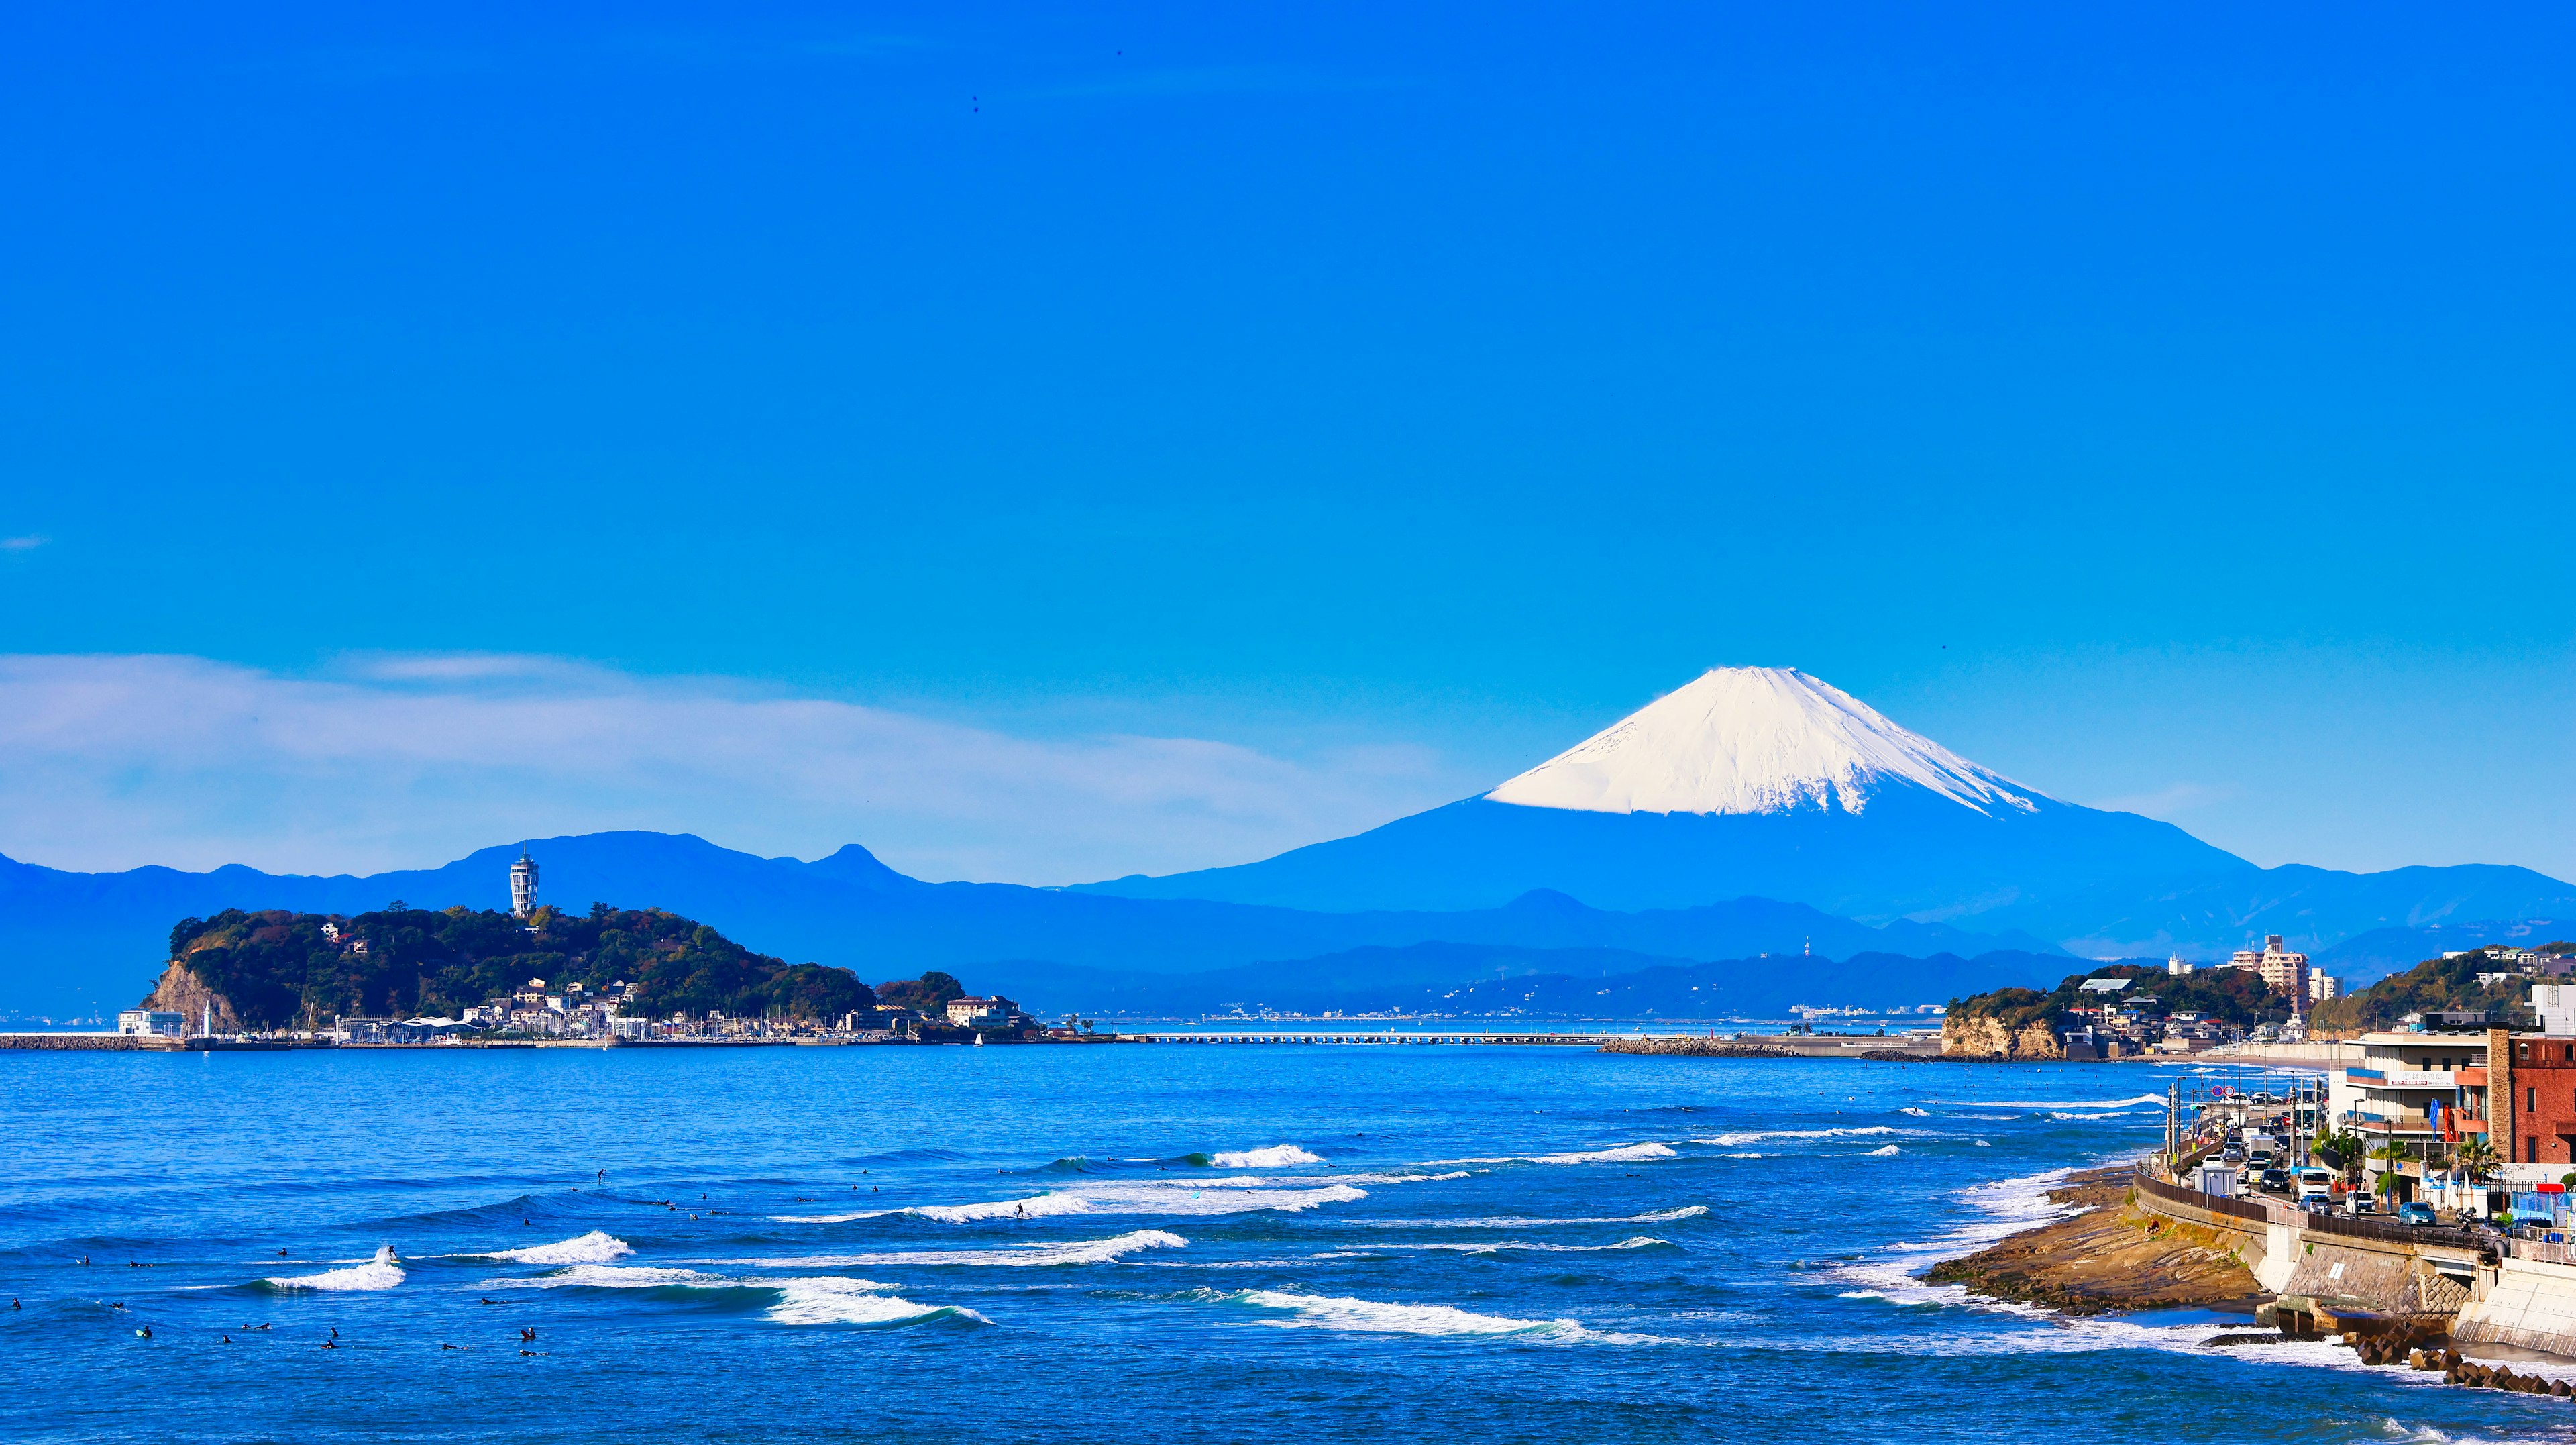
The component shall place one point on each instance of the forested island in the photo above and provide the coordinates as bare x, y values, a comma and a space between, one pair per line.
279, 970
2132, 1005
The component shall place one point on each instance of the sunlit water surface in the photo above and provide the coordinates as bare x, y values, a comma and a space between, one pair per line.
1104, 1243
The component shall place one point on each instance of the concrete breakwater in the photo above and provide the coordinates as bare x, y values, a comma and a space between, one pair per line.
112, 1043
1776, 1046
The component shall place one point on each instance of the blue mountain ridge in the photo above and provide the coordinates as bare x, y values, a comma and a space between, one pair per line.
2098, 883
82, 942
2366, 958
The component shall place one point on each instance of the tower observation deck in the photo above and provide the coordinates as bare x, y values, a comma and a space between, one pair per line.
523, 884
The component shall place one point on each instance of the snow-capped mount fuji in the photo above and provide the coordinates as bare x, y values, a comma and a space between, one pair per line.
1756, 740
1766, 783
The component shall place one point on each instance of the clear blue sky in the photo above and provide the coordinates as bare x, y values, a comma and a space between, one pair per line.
2166, 405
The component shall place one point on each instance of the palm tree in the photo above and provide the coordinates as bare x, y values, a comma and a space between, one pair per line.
2476, 1156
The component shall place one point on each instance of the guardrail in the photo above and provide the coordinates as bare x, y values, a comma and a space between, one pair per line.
2266, 1211
2542, 1251
2193, 1198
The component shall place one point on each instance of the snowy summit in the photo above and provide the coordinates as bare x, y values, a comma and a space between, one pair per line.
1754, 740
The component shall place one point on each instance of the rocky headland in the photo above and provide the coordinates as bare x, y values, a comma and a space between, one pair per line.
2112, 1257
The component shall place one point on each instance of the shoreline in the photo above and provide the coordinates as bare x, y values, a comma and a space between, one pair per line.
2107, 1258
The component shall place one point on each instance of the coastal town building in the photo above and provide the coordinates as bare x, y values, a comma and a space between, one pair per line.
984, 1013
2426, 1092
151, 1022
2282, 971
2324, 988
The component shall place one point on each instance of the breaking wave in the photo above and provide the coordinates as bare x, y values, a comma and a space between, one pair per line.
2129, 1103
1657, 1216
1331, 1312
382, 1272
1917, 1113
1080, 1251
1235, 1194
595, 1247
1888, 1152
804, 1300
1180, 1197
1755, 1136
1277, 1156
1495, 1246
1621, 1155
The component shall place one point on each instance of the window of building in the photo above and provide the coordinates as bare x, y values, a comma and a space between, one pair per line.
2531, 1103
2522, 1051
2531, 1150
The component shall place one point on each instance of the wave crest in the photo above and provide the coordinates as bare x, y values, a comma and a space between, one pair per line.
385, 1271
1277, 1156
596, 1247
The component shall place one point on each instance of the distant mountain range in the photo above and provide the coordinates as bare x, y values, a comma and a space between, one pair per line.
2366, 958
1771, 783
79, 942
1756, 810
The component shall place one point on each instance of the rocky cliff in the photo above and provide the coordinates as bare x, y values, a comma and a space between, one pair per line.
182, 993
1984, 1036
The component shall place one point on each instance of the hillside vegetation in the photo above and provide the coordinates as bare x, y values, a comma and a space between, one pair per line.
280, 970
2436, 983
2229, 995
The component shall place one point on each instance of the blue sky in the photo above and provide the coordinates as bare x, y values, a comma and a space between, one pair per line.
1207, 430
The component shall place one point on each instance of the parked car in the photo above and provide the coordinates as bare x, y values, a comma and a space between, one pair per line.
2417, 1213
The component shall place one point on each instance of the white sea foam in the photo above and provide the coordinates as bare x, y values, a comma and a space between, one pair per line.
1917, 1113
382, 1272
627, 1276
1982, 1144
1277, 1156
827, 1300
595, 1247
1080, 1251
1513, 1221
1178, 1196
2129, 1103
1487, 1247
2115, 1114
1623, 1154
1756, 1136
802, 1300
1886, 1153
1327, 1312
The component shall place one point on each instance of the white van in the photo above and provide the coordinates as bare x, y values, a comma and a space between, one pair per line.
2315, 1188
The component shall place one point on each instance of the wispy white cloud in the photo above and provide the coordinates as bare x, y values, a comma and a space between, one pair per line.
112, 761
22, 544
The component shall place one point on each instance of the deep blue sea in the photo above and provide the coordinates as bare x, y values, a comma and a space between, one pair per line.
1107, 1243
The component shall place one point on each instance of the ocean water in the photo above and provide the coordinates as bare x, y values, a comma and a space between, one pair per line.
1106, 1243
